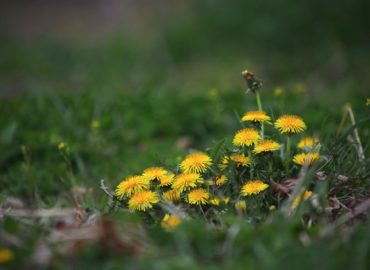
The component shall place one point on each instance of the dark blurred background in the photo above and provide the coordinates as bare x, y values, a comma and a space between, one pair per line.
192, 45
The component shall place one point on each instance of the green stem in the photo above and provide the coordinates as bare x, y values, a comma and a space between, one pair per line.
287, 153
259, 105
251, 170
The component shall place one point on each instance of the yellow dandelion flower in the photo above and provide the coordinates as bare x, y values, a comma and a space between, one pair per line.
198, 196
171, 196
196, 163
153, 173
240, 207
6, 255
62, 145
266, 146
224, 199
290, 124
131, 185
272, 207
308, 143
253, 187
185, 181
170, 221
257, 116
166, 180
143, 200
240, 160
215, 201
297, 200
220, 180
246, 137
305, 158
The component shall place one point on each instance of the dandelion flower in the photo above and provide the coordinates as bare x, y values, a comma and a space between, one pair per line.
290, 124
266, 146
308, 143
196, 163
171, 196
185, 181
154, 173
131, 185
224, 199
253, 187
246, 137
6, 255
166, 180
297, 200
143, 200
198, 196
215, 201
305, 158
257, 116
240, 207
220, 180
240, 160
170, 221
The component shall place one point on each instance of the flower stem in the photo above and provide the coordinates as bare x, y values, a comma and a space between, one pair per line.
287, 152
251, 164
259, 105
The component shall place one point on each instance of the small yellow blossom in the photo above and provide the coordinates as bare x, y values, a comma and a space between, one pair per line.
95, 124
215, 201
170, 221
171, 196
257, 116
154, 173
278, 91
305, 158
253, 187
166, 180
308, 143
198, 196
6, 255
290, 124
131, 185
185, 181
143, 200
297, 200
220, 180
196, 163
246, 137
272, 207
241, 207
266, 146
62, 145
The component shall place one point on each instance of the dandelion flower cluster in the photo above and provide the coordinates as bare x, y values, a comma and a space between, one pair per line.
246, 137
198, 196
290, 124
253, 187
143, 200
131, 185
185, 181
266, 146
257, 116
170, 221
196, 163
305, 158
